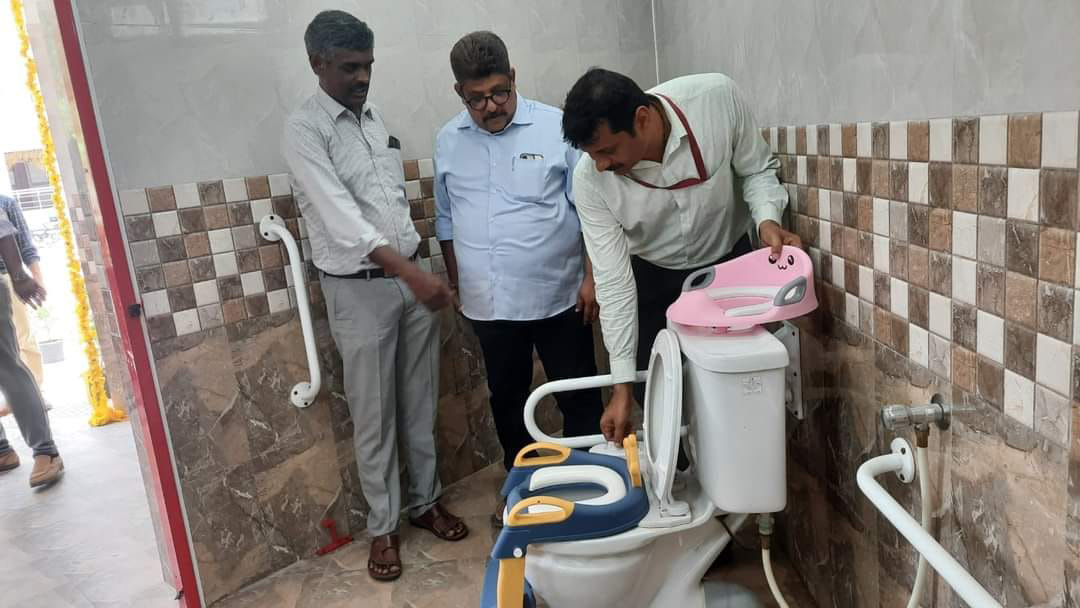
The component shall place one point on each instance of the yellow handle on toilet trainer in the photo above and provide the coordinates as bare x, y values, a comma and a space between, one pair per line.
561, 454
510, 591
633, 461
520, 516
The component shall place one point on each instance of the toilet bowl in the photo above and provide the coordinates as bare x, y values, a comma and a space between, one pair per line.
624, 527
629, 558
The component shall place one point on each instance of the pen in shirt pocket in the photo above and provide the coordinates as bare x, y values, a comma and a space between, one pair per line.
525, 158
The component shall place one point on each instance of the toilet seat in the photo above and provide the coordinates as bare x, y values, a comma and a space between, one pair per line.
575, 477
662, 428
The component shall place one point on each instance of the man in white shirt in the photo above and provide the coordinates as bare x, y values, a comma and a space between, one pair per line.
508, 230
350, 185
678, 177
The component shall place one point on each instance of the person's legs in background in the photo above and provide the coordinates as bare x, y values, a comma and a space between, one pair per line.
508, 357
29, 351
24, 398
418, 395
507, 348
565, 346
28, 348
364, 316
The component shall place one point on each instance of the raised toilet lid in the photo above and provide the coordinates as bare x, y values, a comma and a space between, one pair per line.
663, 412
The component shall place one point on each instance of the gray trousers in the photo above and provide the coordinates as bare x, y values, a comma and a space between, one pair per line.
390, 349
19, 387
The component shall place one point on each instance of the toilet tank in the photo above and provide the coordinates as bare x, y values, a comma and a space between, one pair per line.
733, 400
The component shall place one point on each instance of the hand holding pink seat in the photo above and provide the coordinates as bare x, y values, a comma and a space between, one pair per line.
753, 289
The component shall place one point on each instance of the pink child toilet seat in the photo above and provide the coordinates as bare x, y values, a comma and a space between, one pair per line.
750, 290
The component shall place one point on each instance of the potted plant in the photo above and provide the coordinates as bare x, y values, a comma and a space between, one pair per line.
49, 340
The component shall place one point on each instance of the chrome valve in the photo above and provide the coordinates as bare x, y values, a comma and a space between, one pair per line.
898, 417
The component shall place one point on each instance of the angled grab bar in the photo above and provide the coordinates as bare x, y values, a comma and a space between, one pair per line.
272, 228
901, 461
558, 386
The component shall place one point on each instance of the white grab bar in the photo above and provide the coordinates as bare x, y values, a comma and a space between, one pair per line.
901, 461
272, 228
559, 386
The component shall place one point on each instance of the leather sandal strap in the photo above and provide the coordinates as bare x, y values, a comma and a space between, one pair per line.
442, 516
384, 543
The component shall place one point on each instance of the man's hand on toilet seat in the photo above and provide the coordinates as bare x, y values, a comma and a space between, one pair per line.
615, 423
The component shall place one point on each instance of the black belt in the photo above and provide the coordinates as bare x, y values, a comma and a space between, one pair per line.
367, 275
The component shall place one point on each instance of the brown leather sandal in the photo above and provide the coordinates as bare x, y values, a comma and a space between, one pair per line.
441, 523
384, 564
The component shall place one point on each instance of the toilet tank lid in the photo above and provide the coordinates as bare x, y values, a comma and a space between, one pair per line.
731, 352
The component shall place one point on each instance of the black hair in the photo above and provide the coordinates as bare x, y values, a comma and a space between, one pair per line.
600, 96
479, 55
331, 31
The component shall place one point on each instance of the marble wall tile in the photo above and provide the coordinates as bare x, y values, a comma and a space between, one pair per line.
200, 396
227, 531
1023, 278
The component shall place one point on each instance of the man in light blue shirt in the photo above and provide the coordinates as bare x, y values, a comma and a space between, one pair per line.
512, 241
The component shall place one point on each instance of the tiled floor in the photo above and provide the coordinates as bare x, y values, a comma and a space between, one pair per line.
446, 575
88, 540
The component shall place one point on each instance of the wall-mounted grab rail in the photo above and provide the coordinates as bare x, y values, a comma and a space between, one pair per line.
558, 386
901, 461
272, 228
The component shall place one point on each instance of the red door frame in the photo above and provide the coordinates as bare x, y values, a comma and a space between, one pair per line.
138, 358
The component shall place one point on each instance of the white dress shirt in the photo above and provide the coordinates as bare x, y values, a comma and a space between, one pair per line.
677, 229
349, 184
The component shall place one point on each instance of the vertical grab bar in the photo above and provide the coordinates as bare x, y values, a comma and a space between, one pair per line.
272, 228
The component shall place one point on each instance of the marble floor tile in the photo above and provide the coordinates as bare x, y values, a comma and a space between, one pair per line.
87, 541
440, 574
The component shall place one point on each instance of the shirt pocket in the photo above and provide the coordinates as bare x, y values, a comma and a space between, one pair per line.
528, 177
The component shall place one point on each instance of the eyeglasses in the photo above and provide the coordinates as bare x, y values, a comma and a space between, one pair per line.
479, 102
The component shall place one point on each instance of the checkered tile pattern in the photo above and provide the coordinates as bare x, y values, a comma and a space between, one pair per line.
953, 243
200, 263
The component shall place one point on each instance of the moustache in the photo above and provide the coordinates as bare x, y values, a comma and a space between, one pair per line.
494, 116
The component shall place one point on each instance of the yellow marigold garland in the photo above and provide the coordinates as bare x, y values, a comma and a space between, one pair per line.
102, 411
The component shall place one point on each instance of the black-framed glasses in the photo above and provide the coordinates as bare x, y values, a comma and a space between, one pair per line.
479, 102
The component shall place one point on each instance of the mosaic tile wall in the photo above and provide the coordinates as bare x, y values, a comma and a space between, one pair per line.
258, 474
945, 252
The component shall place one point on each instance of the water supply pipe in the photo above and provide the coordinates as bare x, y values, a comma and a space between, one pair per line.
765, 529
902, 462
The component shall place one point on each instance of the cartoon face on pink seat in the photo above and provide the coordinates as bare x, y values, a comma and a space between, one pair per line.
783, 261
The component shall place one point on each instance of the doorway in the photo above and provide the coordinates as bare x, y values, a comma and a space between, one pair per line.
112, 530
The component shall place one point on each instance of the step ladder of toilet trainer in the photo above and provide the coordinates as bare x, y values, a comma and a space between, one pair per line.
535, 518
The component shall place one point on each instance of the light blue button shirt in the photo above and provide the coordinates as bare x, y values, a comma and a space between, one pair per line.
505, 200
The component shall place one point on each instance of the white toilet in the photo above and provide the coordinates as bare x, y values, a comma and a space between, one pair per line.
736, 445
725, 404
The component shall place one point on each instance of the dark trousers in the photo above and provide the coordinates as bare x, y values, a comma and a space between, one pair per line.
657, 289
565, 347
